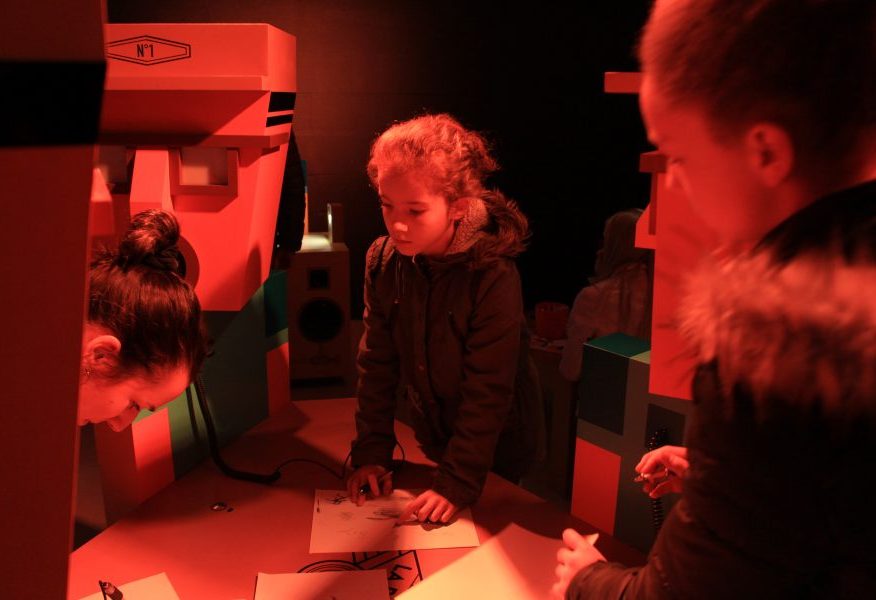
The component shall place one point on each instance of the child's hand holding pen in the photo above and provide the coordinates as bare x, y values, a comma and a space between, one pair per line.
662, 470
369, 481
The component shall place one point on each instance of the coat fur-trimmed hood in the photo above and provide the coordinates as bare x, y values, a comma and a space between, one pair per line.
492, 228
802, 331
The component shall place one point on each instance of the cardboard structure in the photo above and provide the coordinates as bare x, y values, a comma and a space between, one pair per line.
52, 69
631, 395
618, 419
197, 120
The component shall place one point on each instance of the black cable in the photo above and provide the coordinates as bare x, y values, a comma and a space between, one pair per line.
340, 475
193, 418
214, 443
246, 475
318, 464
658, 438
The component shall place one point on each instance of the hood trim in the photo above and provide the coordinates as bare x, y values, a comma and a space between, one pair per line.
803, 332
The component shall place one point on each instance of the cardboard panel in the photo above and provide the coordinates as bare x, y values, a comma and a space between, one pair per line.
177, 92
188, 434
152, 452
275, 304
263, 56
602, 386
118, 468
279, 394
52, 71
594, 489
683, 241
235, 376
642, 413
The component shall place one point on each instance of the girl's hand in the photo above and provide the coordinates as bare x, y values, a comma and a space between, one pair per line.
428, 506
369, 474
663, 469
578, 553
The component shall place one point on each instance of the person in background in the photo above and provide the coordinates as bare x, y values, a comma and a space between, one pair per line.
618, 299
445, 333
766, 111
144, 340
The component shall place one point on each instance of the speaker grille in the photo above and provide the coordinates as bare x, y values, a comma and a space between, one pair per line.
320, 320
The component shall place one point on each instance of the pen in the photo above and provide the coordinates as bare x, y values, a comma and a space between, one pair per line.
655, 476
109, 590
365, 489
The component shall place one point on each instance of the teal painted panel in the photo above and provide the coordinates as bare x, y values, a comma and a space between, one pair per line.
602, 388
235, 378
276, 317
644, 357
277, 340
621, 344
187, 440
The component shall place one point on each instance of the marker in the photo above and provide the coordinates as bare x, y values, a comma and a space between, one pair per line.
366, 489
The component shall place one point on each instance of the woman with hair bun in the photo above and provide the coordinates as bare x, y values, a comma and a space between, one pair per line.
144, 340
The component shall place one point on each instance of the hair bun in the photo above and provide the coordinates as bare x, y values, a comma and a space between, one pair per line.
151, 240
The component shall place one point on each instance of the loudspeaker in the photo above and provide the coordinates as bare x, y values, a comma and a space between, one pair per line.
319, 310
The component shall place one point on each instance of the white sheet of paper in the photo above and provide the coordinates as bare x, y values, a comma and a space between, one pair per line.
341, 526
156, 587
516, 564
332, 585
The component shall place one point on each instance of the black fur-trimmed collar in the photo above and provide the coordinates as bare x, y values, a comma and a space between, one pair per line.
795, 319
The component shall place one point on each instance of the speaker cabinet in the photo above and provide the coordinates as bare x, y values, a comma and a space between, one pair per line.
319, 310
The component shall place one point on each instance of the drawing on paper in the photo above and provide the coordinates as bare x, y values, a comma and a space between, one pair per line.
347, 585
402, 568
339, 525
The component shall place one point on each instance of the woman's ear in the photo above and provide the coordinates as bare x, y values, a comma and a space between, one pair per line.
458, 208
770, 153
101, 351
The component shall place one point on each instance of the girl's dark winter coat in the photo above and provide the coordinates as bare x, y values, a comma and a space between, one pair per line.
445, 338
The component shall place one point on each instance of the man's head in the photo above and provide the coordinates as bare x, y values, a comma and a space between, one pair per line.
782, 88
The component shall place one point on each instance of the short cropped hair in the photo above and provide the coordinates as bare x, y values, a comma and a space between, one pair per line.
808, 66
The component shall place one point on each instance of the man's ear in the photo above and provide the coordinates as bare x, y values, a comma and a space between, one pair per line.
102, 351
770, 153
458, 208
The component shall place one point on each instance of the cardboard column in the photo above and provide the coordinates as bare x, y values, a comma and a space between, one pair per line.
52, 68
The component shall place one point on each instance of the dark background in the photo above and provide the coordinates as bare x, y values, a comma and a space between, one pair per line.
529, 78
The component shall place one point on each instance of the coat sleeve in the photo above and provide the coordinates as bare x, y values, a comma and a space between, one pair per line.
490, 359
614, 581
378, 367
684, 553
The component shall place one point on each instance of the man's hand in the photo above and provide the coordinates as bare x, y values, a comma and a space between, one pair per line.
662, 470
578, 553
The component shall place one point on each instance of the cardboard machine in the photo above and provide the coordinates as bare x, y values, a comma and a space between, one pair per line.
197, 120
